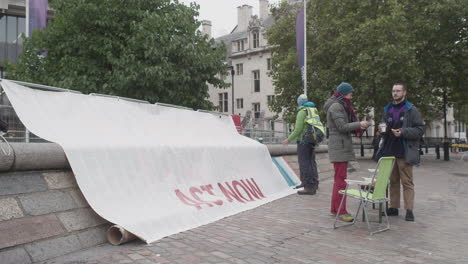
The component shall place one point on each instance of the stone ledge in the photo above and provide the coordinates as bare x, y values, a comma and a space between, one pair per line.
80, 219
9, 209
46, 202
93, 236
51, 248
60, 179
21, 182
14, 256
28, 229
79, 198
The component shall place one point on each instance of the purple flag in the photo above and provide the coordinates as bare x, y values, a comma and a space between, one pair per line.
37, 14
300, 39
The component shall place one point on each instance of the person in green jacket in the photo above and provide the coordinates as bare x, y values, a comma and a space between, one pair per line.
305, 150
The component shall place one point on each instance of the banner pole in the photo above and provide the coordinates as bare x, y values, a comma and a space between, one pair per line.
305, 48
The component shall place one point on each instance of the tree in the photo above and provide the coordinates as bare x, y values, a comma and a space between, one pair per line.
372, 44
144, 49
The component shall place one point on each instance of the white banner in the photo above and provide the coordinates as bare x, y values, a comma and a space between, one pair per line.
153, 170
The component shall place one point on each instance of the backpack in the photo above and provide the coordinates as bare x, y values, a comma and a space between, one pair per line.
313, 133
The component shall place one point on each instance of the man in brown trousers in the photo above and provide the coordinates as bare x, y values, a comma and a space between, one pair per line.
404, 129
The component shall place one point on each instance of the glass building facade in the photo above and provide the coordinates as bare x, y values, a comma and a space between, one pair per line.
11, 43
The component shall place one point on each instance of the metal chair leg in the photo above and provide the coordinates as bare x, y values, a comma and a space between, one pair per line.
380, 213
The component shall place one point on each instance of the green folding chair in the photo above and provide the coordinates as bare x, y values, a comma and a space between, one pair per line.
367, 195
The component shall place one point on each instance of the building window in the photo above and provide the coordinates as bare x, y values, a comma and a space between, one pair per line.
256, 110
240, 103
256, 39
223, 102
240, 68
256, 75
269, 64
270, 98
11, 28
240, 45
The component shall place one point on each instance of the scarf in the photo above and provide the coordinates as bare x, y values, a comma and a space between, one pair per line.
349, 110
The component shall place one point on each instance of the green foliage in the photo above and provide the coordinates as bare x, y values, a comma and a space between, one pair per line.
372, 44
144, 49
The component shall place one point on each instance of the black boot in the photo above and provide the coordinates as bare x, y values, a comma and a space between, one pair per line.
409, 215
391, 212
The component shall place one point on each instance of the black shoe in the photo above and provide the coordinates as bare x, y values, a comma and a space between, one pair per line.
307, 191
409, 215
391, 212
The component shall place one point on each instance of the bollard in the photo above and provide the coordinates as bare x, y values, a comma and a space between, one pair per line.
437, 150
362, 150
446, 151
427, 149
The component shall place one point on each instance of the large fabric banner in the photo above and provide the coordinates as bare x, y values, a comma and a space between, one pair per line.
154, 170
37, 14
300, 33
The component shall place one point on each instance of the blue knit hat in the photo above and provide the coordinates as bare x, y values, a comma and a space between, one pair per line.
302, 99
345, 88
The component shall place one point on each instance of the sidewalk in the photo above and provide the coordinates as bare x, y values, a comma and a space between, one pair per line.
298, 229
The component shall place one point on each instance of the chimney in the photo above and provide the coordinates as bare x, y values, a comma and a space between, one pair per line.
244, 13
206, 28
263, 6
3, 5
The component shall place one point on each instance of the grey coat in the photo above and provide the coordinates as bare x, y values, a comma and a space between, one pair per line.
340, 145
411, 132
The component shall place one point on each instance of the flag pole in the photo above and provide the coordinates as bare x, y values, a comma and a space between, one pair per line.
27, 19
305, 48
26, 131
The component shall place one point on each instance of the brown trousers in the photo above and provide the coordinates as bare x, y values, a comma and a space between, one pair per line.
403, 172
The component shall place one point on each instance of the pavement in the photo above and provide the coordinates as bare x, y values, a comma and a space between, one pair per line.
299, 229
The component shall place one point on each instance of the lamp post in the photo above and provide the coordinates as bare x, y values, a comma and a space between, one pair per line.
446, 141
232, 87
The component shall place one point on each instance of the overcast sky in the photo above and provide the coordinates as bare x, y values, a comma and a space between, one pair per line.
223, 13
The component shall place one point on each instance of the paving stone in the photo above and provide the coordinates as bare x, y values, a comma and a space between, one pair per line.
22, 182
59, 179
24, 230
14, 256
46, 202
80, 219
9, 209
220, 254
136, 256
93, 236
47, 249
144, 261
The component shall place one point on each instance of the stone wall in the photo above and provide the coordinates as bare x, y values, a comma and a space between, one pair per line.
43, 214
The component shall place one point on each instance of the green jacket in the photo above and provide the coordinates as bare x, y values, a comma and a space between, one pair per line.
300, 127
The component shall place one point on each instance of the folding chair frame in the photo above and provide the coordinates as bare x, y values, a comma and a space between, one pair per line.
364, 198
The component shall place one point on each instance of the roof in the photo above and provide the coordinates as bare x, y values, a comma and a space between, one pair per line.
229, 38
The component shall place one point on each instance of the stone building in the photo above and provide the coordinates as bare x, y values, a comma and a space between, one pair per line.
249, 58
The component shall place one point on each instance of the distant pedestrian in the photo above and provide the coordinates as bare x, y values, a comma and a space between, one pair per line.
306, 111
341, 122
404, 129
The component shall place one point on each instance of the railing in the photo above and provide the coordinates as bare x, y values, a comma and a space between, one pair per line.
265, 136
16, 130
